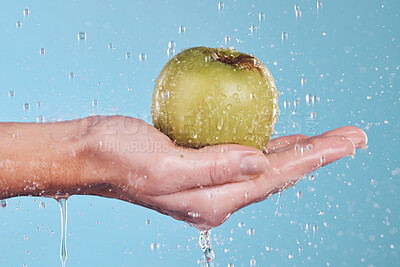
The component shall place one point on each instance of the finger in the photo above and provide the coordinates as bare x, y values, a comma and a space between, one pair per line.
283, 142
211, 165
211, 206
356, 135
308, 156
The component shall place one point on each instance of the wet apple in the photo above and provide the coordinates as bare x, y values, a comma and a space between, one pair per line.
206, 96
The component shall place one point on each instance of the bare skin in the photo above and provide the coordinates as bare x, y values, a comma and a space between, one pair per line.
125, 158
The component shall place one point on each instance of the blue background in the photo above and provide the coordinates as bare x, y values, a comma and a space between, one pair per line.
348, 51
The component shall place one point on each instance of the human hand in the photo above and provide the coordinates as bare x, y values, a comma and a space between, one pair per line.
204, 186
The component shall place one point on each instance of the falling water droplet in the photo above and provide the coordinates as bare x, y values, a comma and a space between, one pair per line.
94, 102
319, 5
71, 75
26, 106
205, 245
315, 229
3, 203
290, 256
26, 12
42, 51
252, 262
299, 195
231, 265
63, 246
220, 6
171, 44
284, 36
39, 118
18, 24
11, 94
181, 29
142, 57
38, 104
227, 39
128, 55
308, 99
148, 221
110, 46
297, 11
311, 177
261, 16
170, 51
286, 104
154, 246
303, 81
253, 28
82, 36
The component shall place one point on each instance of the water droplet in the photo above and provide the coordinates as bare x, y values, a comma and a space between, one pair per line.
308, 99
11, 94
82, 36
94, 102
3, 203
311, 177
171, 44
313, 115
296, 147
166, 95
42, 51
154, 246
231, 265
315, 229
284, 36
268, 249
171, 51
228, 107
142, 57
227, 39
319, 5
303, 81
18, 24
26, 12
220, 124
148, 221
110, 46
251, 231
240, 224
299, 195
290, 256
309, 146
286, 104
235, 95
253, 28
252, 262
261, 16
297, 11
27, 106
39, 118
128, 55
71, 75
220, 6
181, 29
42, 204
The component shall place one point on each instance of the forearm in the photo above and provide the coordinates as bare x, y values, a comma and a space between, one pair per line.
44, 159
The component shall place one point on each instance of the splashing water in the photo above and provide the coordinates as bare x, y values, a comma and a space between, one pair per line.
63, 246
205, 244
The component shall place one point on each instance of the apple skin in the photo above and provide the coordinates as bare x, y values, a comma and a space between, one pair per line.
207, 96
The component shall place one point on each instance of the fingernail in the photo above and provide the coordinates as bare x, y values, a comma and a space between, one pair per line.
254, 165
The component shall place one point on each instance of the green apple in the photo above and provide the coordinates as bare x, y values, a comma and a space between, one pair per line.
206, 96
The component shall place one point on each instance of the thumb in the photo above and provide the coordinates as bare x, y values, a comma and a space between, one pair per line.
214, 165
